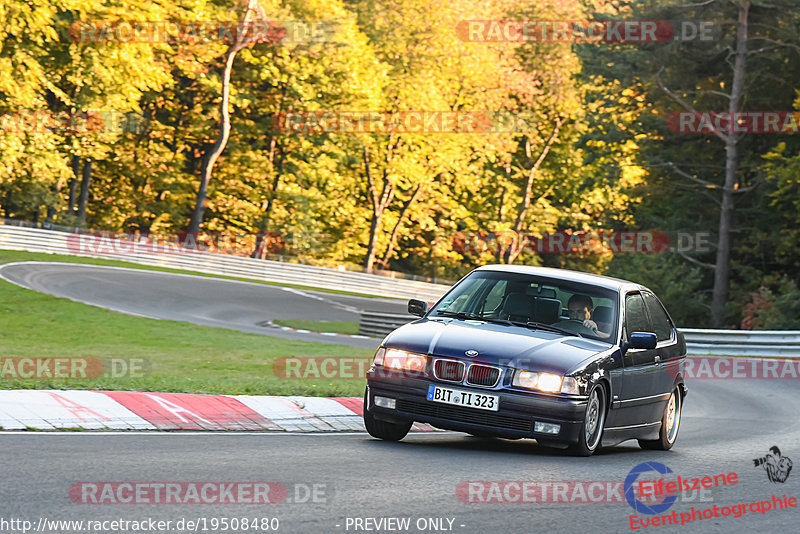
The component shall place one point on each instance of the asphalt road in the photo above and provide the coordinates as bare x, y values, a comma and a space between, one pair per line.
243, 306
726, 424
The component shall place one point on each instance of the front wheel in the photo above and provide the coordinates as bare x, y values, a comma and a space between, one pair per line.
593, 422
384, 429
670, 424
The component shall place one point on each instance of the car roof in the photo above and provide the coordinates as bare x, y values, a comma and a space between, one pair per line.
607, 282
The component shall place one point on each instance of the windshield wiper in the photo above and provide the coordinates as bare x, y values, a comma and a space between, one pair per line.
551, 328
459, 315
463, 315
537, 326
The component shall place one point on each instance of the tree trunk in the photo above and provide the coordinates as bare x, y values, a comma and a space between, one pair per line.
498, 254
86, 181
73, 183
242, 40
380, 201
211, 157
400, 218
369, 261
722, 264
515, 248
260, 250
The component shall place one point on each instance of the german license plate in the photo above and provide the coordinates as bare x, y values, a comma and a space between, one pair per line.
457, 397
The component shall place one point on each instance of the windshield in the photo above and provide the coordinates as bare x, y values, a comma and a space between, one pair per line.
535, 302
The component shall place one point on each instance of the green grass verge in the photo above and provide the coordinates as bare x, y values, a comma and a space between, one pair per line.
338, 327
182, 357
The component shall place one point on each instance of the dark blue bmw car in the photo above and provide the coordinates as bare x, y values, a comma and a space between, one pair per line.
570, 359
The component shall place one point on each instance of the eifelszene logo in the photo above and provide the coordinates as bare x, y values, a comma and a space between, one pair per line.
630, 489
777, 467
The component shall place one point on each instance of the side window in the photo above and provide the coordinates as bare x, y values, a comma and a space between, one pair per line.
495, 297
635, 315
457, 301
661, 323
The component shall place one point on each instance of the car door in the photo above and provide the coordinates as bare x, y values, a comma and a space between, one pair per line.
639, 395
669, 350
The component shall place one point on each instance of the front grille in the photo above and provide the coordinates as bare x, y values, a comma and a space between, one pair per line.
464, 415
483, 375
450, 370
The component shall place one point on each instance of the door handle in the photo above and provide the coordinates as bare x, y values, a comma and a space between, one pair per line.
658, 360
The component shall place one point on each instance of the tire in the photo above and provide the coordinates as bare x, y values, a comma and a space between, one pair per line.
594, 420
384, 429
670, 424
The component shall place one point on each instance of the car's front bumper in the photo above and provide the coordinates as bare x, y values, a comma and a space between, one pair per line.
515, 418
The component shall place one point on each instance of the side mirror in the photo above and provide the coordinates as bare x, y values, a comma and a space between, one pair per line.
417, 307
642, 340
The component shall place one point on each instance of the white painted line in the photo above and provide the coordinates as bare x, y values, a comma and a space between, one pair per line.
190, 433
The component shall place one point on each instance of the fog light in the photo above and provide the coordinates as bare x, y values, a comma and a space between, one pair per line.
384, 402
546, 428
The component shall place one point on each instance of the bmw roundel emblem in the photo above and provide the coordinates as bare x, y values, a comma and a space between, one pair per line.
471, 353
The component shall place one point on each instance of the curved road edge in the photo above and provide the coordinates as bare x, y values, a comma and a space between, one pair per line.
234, 304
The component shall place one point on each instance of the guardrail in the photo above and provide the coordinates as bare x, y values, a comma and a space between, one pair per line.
784, 343
378, 324
55, 242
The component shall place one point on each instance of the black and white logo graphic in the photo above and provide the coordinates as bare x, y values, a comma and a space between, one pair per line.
777, 467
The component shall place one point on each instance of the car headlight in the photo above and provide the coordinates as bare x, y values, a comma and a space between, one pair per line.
570, 386
378, 359
403, 360
542, 381
550, 382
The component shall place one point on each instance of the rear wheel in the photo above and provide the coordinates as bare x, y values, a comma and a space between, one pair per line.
670, 424
593, 422
384, 429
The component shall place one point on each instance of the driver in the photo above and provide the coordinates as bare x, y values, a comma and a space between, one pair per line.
580, 308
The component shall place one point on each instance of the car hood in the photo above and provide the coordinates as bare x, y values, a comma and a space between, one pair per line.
506, 345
